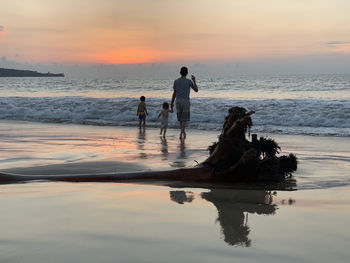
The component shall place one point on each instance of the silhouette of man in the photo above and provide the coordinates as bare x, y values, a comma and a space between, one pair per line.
182, 88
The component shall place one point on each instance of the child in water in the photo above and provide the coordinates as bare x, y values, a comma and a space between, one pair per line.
165, 115
142, 111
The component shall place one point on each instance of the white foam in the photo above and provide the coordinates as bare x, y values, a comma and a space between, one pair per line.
291, 116
310, 104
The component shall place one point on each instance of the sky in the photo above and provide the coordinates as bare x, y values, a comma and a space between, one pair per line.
245, 34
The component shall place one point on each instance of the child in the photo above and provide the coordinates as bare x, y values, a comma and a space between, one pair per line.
165, 114
142, 111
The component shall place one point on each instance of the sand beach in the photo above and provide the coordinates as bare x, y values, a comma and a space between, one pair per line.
142, 222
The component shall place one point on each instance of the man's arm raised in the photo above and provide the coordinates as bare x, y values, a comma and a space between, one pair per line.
195, 88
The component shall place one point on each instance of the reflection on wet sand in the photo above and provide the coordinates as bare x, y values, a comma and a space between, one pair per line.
181, 197
233, 208
164, 148
181, 155
141, 140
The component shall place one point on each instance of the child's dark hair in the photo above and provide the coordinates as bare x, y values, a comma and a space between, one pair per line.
142, 98
165, 105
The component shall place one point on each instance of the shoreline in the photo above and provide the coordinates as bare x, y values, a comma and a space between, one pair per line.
30, 148
125, 220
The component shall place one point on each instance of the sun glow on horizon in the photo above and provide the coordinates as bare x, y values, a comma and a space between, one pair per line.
145, 31
124, 56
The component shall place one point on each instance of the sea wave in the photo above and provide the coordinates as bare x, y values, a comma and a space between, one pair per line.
290, 116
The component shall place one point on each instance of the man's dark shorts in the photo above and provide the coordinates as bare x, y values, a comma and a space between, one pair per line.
183, 110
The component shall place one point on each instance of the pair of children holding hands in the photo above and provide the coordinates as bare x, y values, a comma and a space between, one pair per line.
142, 112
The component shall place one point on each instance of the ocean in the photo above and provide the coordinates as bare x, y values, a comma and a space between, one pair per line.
304, 104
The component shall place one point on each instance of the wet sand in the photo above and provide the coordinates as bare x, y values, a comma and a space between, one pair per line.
30, 145
61, 149
118, 222
114, 222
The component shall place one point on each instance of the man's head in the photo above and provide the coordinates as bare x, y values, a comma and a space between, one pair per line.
142, 98
184, 71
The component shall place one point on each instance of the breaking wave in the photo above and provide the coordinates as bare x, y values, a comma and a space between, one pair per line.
290, 116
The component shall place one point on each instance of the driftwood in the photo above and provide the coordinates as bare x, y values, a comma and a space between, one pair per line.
232, 159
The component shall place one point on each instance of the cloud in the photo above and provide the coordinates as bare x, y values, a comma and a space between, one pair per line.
338, 42
339, 46
41, 30
2, 31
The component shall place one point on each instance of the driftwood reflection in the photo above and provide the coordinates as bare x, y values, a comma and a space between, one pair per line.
233, 207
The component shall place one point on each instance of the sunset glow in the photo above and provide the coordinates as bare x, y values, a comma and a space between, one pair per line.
125, 56
145, 31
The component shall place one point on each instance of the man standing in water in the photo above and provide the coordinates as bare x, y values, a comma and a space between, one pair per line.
182, 88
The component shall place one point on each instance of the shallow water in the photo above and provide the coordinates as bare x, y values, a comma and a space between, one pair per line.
102, 222
118, 222
26, 144
40, 148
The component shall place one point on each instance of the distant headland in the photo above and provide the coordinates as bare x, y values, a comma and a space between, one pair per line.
4, 72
